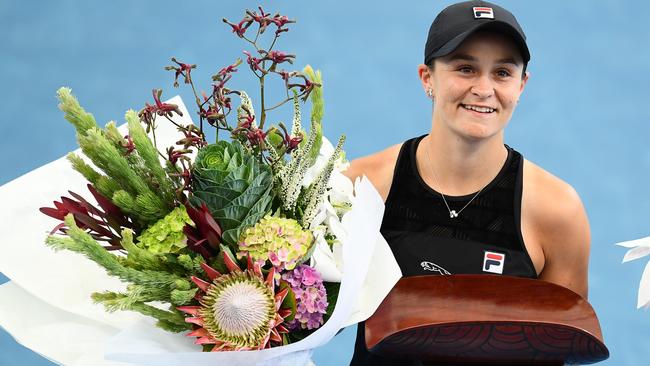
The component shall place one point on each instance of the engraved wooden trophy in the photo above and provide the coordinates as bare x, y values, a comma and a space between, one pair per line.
485, 320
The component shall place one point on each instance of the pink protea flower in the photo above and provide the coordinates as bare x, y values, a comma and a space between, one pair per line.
238, 310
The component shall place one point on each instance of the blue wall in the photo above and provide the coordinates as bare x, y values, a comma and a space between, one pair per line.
583, 116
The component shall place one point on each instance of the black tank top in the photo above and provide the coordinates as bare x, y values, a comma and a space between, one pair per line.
425, 240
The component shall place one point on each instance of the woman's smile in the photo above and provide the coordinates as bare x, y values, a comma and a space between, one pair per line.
478, 110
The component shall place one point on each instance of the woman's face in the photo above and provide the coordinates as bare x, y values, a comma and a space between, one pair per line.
476, 88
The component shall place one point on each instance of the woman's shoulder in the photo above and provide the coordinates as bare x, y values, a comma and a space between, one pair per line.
555, 219
378, 167
547, 191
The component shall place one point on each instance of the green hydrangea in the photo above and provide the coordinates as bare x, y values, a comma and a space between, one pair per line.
281, 241
166, 235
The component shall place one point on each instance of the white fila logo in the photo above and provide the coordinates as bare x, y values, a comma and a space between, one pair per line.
493, 262
481, 12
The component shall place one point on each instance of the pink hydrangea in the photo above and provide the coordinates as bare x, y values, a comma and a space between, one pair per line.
311, 297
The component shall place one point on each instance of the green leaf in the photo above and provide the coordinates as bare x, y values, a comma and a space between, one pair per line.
300, 334
289, 301
276, 139
235, 186
332, 289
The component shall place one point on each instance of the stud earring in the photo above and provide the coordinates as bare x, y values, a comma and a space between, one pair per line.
430, 93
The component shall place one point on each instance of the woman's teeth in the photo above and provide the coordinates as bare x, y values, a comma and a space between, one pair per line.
478, 109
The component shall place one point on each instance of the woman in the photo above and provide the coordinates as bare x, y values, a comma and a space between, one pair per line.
458, 200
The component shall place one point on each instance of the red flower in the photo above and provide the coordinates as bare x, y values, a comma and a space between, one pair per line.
262, 18
174, 155
256, 137
240, 28
182, 69
279, 57
205, 236
229, 69
281, 20
103, 223
290, 142
129, 145
149, 111
253, 62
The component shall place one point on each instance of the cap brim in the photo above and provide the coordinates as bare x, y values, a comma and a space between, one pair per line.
496, 25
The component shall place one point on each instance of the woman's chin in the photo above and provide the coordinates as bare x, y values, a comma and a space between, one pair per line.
478, 131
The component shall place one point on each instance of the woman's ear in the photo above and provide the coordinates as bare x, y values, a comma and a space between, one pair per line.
426, 78
524, 80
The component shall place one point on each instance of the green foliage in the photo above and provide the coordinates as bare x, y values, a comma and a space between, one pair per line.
82, 167
317, 111
131, 176
289, 176
332, 290
316, 192
166, 235
289, 301
275, 143
190, 264
80, 119
149, 154
169, 320
234, 185
151, 277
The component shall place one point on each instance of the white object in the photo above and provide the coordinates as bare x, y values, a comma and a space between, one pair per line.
640, 248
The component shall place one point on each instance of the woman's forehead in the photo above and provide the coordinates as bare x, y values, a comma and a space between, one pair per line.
486, 46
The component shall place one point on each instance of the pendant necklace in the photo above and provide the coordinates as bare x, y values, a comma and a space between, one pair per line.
452, 213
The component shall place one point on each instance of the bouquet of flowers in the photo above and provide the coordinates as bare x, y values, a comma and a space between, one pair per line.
251, 242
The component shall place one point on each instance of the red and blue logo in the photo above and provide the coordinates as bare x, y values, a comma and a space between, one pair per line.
483, 12
493, 262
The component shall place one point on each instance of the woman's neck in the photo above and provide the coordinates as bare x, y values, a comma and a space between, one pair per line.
456, 167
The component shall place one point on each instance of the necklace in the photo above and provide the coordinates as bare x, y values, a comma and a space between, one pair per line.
452, 213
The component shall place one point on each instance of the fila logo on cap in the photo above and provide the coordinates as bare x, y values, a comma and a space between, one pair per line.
482, 12
493, 262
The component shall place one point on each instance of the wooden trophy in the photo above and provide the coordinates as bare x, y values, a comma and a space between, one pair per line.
485, 320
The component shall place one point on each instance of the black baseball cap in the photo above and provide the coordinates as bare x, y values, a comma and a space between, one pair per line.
458, 21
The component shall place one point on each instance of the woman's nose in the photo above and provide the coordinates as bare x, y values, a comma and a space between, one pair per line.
482, 88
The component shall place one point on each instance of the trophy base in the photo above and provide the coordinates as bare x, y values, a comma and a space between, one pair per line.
494, 343
463, 320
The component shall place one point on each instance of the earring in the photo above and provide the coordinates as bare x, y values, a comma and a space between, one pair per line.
430, 92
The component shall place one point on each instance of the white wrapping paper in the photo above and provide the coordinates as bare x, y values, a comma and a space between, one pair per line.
640, 248
62, 324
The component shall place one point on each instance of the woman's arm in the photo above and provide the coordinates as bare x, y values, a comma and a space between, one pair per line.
561, 228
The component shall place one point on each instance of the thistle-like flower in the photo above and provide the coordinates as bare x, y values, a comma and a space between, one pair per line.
238, 310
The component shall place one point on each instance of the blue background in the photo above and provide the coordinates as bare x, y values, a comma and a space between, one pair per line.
583, 115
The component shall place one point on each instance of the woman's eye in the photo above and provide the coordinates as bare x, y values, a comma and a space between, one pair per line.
503, 73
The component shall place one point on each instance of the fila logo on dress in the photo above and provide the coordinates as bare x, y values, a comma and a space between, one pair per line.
481, 12
493, 262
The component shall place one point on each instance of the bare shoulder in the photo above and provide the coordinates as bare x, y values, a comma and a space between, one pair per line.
378, 167
556, 219
551, 199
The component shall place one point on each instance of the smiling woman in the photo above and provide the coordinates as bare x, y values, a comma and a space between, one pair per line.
477, 86
459, 200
